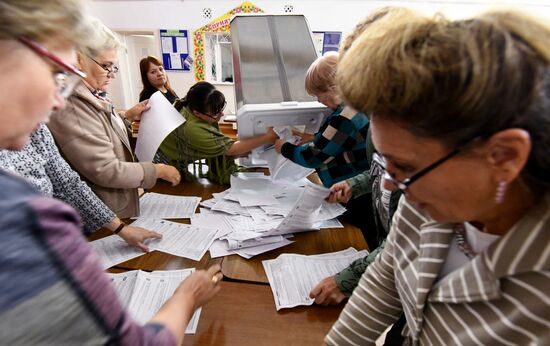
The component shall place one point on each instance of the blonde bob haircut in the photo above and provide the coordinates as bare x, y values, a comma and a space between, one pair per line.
43, 20
321, 75
456, 80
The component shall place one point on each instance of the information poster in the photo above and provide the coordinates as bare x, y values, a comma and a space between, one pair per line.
175, 50
326, 41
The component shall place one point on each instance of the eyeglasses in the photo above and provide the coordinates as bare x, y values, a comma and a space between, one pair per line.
66, 80
110, 69
219, 113
403, 185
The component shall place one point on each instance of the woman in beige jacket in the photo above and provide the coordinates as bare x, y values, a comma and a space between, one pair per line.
93, 137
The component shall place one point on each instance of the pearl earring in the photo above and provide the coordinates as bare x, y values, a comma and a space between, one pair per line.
501, 191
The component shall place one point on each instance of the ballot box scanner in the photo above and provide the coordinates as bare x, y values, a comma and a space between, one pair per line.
271, 55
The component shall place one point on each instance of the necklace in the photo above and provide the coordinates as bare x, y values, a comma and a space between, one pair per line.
462, 241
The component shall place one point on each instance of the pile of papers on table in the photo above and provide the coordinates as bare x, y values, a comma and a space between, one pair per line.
259, 215
143, 293
293, 276
254, 216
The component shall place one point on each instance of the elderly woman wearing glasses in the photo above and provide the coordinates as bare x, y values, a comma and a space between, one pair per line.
94, 139
53, 290
461, 114
199, 138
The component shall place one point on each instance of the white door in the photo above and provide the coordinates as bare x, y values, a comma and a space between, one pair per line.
125, 89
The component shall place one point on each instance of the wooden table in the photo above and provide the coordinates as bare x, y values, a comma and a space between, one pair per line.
244, 314
308, 243
235, 267
157, 260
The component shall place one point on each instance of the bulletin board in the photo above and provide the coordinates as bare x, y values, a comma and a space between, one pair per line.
175, 50
326, 41
220, 24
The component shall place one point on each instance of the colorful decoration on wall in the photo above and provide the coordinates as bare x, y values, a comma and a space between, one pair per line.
220, 24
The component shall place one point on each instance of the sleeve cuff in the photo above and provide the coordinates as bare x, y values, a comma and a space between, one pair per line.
287, 150
149, 175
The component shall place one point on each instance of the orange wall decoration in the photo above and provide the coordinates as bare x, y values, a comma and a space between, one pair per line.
220, 24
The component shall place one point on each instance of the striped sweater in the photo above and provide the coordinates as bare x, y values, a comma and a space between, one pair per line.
52, 288
501, 297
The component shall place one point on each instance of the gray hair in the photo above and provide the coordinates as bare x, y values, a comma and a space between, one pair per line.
106, 39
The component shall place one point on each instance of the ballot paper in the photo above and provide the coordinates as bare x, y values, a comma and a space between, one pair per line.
303, 215
281, 168
156, 123
291, 276
143, 293
159, 206
254, 191
178, 239
219, 249
113, 250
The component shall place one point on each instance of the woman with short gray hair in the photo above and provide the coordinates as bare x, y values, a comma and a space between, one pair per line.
93, 137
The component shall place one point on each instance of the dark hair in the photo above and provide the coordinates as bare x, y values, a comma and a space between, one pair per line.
148, 88
456, 80
202, 97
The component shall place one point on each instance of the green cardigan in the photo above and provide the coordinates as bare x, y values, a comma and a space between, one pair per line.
198, 143
348, 279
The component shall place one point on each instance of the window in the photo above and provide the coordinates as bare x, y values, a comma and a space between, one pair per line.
218, 58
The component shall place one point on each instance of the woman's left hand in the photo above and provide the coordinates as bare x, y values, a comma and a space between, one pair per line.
134, 113
136, 236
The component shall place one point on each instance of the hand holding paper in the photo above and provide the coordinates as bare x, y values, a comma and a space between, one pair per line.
156, 123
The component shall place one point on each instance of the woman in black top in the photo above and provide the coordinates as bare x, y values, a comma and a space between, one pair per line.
154, 79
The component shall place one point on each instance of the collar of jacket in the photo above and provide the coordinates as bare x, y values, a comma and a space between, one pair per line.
522, 250
106, 108
81, 91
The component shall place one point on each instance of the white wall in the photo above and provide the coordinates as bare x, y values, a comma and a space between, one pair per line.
322, 15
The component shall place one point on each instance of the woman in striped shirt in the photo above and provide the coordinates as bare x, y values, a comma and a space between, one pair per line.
467, 259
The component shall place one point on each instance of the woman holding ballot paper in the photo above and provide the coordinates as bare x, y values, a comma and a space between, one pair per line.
338, 150
93, 137
199, 137
53, 290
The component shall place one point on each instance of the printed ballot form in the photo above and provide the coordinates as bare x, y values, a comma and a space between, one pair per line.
159, 206
113, 250
180, 239
143, 293
281, 168
177, 239
156, 123
292, 276
303, 215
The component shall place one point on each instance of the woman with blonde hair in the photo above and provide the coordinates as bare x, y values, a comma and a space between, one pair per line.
93, 137
53, 290
154, 78
460, 110
337, 151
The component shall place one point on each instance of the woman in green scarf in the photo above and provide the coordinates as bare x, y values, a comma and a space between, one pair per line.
199, 138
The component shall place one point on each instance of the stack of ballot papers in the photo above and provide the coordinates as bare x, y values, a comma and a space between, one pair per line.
281, 168
158, 206
143, 293
178, 239
258, 215
293, 276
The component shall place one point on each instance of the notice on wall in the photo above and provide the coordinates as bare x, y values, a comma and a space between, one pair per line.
175, 50
326, 41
